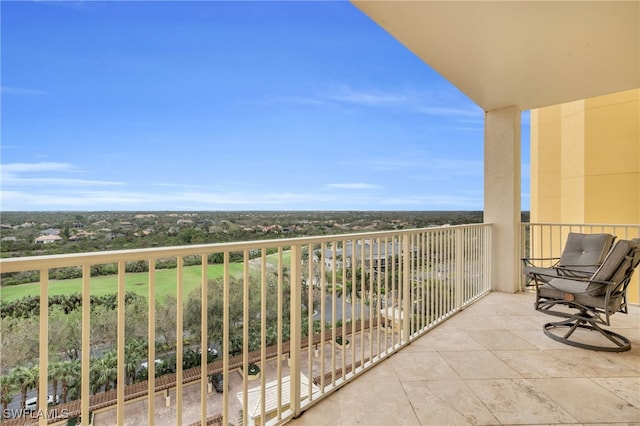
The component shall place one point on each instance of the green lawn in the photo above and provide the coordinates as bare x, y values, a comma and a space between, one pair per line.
135, 282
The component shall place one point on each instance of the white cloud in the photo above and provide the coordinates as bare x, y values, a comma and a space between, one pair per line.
357, 185
36, 167
40, 174
437, 201
446, 102
21, 91
366, 98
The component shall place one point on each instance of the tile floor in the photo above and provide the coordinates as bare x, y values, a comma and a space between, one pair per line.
492, 364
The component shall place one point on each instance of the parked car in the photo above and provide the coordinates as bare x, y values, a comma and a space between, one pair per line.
217, 381
30, 404
146, 364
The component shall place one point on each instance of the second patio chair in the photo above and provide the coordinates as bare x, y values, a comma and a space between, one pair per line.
588, 303
581, 257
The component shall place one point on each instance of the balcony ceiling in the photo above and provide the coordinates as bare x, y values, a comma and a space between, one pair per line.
527, 54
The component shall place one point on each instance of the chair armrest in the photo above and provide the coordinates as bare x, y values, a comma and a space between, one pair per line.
528, 261
573, 271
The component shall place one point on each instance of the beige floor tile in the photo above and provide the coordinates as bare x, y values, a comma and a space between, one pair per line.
590, 402
421, 366
626, 388
452, 339
501, 340
538, 364
421, 344
447, 403
476, 322
375, 402
478, 365
525, 322
324, 413
600, 364
542, 341
517, 401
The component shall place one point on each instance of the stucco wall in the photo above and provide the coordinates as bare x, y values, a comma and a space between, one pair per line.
585, 162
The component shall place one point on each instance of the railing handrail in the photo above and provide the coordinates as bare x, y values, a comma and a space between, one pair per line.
16, 264
583, 225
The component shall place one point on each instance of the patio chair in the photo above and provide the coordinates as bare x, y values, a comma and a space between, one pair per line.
588, 303
581, 257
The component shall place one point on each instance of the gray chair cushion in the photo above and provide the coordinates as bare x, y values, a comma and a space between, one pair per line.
612, 269
549, 291
585, 252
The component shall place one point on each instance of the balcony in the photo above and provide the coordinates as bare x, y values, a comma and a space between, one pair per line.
415, 304
491, 364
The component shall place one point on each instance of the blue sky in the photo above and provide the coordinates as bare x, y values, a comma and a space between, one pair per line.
228, 106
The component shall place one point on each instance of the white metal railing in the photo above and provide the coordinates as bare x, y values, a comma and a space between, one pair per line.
312, 314
546, 240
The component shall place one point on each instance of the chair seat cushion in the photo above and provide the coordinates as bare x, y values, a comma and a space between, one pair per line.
573, 291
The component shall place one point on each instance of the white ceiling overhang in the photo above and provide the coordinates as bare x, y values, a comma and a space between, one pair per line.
527, 54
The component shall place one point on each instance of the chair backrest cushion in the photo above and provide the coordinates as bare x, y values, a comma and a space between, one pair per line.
585, 251
615, 267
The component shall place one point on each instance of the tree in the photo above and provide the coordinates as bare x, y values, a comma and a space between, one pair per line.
55, 371
135, 350
102, 325
69, 377
19, 342
166, 315
25, 378
104, 371
137, 318
65, 332
7, 388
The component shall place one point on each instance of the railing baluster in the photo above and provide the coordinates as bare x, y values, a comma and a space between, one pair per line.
296, 316
225, 340
263, 330
245, 337
121, 340
43, 381
151, 350
86, 344
179, 338
204, 337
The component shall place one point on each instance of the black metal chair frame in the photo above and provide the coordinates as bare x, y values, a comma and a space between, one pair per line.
588, 316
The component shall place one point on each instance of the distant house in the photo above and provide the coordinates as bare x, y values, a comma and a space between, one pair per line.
273, 228
11, 238
50, 231
145, 216
81, 235
46, 239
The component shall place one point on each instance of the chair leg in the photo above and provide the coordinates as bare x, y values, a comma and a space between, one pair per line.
621, 343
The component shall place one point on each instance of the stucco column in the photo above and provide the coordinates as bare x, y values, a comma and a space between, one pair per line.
502, 194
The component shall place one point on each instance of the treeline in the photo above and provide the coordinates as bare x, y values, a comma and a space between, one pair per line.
71, 272
29, 306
